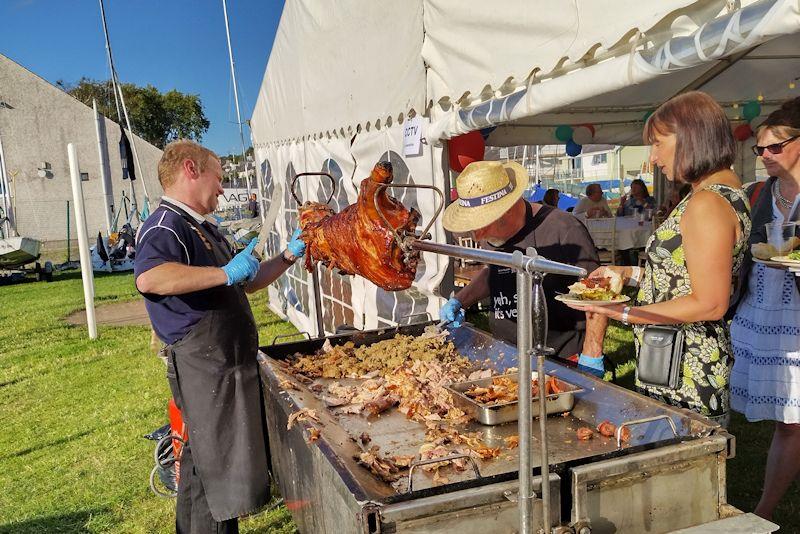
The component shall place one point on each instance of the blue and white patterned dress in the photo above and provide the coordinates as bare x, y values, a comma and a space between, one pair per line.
765, 380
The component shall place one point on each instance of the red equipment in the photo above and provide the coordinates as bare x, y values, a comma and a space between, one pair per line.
179, 434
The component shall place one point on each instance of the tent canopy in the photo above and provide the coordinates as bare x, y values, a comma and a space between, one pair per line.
336, 70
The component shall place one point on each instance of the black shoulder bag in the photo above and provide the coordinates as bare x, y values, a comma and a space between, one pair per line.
660, 359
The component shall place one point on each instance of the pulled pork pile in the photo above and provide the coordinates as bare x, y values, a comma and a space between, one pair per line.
378, 359
406, 371
410, 373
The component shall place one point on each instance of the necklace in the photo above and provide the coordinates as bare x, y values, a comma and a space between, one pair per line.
776, 192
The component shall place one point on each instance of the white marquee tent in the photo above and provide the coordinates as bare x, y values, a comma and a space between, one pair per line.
345, 77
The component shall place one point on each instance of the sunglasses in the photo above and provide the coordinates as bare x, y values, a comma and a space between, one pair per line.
776, 148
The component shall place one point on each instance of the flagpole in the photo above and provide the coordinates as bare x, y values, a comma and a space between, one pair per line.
236, 96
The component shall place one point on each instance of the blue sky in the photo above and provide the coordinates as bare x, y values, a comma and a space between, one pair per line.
171, 44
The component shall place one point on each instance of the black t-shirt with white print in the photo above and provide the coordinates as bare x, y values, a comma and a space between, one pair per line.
557, 236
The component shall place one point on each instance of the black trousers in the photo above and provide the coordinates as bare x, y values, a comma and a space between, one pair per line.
192, 515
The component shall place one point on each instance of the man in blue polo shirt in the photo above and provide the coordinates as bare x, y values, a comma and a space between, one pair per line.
194, 289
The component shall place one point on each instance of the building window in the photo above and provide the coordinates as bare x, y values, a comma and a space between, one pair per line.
599, 159
84, 177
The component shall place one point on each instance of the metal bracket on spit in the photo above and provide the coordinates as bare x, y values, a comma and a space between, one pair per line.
284, 336
296, 176
414, 465
401, 239
645, 420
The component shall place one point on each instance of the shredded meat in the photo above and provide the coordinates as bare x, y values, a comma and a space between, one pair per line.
306, 414
512, 442
387, 469
349, 361
607, 428
585, 433
356, 240
503, 390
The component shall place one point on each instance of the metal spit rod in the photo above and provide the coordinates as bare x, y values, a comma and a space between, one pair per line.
531, 263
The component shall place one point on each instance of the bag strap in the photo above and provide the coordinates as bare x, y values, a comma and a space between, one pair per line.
755, 192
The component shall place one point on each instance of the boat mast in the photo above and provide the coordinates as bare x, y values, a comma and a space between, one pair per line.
115, 86
6, 194
236, 95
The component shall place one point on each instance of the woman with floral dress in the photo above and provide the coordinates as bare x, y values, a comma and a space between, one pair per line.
765, 382
694, 256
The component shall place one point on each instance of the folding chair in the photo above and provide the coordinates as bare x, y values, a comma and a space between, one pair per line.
605, 239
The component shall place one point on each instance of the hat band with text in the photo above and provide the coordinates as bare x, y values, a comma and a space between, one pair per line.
486, 199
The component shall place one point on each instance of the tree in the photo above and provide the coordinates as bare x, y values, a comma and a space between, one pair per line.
155, 116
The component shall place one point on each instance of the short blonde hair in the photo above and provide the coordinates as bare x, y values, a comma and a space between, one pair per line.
176, 153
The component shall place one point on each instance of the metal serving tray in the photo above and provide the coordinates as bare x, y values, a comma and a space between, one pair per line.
496, 414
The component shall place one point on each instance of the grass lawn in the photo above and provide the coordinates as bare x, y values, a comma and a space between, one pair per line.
73, 412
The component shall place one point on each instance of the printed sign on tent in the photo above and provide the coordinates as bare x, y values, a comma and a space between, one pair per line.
412, 137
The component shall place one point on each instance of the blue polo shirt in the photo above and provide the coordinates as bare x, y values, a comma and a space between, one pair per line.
166, 237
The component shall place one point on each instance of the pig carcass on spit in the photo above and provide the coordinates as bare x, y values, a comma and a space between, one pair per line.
356, 240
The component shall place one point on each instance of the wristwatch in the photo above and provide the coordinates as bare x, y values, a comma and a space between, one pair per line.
287, 257
624, 318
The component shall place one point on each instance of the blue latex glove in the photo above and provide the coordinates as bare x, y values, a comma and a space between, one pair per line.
296, 246
590, 364
243, 266
452, 311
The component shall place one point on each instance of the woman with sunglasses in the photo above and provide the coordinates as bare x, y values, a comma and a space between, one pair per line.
765, 381
692, 258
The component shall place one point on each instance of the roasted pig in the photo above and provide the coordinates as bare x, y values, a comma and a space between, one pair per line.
356, 240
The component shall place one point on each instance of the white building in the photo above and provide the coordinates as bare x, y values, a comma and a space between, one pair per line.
37, 120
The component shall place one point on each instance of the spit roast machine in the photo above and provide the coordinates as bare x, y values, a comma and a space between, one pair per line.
663, 470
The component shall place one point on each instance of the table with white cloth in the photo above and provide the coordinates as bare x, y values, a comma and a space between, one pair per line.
630, 233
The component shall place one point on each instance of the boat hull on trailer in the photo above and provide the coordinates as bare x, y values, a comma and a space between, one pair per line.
18, 251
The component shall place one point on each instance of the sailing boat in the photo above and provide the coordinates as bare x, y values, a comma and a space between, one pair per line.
16, 251
116, 252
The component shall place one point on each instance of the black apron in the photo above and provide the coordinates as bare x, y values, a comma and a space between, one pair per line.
213, 375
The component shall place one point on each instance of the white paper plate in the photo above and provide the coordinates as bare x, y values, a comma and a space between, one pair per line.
566, 299
785, 260
772, 263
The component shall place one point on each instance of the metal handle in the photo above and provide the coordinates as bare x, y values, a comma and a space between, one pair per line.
409, 316
436, 461
400, 240
283, 336
296, 176
645, 420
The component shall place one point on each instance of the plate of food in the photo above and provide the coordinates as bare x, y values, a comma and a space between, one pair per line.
602, 291
768, 251
793, 258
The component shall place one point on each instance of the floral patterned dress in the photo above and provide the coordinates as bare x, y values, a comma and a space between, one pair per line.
707, 359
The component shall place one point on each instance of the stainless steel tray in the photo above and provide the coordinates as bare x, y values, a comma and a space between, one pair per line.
496, 414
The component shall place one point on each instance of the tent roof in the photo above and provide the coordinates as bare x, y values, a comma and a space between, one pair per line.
335, 65
335, 70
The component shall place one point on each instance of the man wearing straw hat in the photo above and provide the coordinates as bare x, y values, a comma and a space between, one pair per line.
491, 209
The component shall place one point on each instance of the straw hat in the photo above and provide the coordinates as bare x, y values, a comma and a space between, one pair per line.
486, 191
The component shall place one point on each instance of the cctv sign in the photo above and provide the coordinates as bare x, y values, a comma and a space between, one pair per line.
412, 137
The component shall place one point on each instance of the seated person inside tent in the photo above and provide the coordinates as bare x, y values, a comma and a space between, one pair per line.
593, 204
